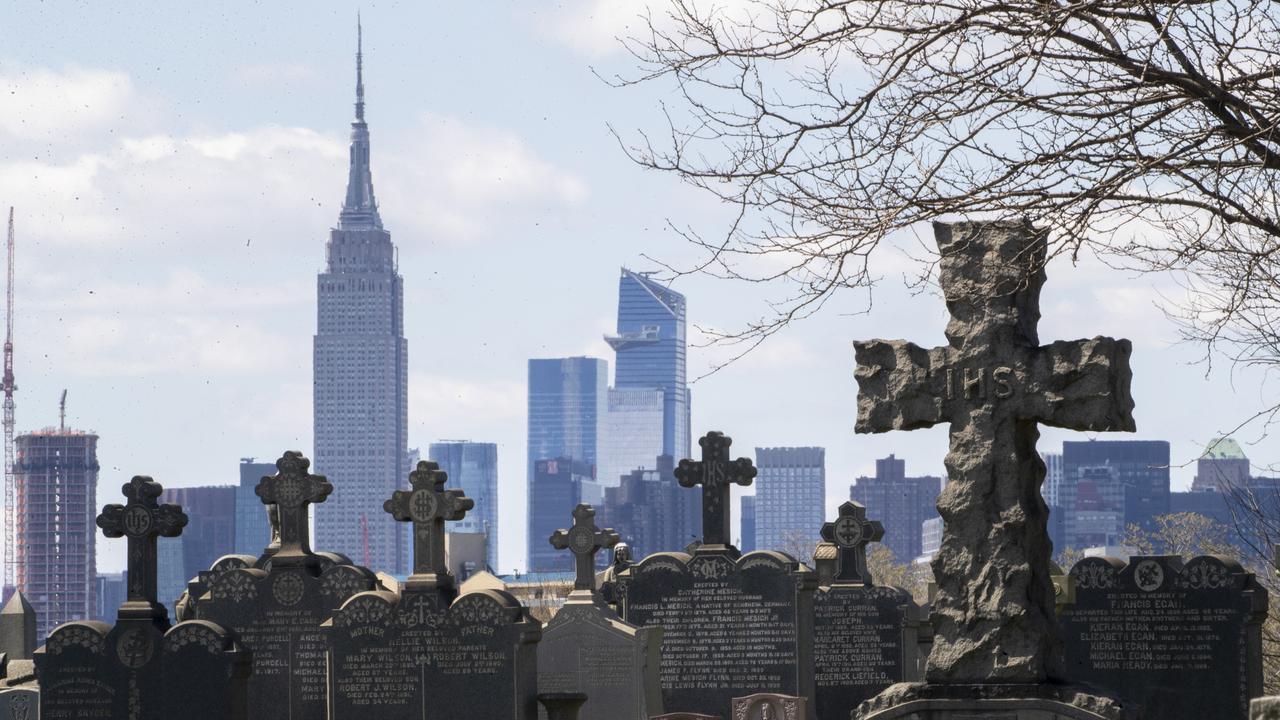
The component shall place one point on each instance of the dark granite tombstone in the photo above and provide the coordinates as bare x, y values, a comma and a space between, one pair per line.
423, 653
21, 703
1180, 640
772, 706
732, 624
277, 612
864, 635
142, 669
562, 705
685, 716
587, 648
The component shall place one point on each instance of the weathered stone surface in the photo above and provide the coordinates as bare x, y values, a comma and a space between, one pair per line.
562, 706
1267, 708
993, 615
770, 706
20, 704
1180, 641
18, 628
916, 701
685, 716
865, 639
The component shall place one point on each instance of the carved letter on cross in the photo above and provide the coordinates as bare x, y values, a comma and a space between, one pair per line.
993, 382
584, 540
292, 489
142, 520
428, 505
852, 532
715, 473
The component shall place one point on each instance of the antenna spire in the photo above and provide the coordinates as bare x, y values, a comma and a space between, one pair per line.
359, 69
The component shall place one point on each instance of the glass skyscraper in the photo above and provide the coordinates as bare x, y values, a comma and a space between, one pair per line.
632, 435
473, 467
253, 531
791, 490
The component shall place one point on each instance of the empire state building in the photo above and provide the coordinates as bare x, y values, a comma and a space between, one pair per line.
361, 368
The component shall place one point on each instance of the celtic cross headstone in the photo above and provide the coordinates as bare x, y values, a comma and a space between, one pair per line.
142, 520
716, 473
584, 540
993, 383
293, 490
427, 504
851, 532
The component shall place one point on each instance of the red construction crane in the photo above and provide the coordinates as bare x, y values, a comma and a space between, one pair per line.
10, 515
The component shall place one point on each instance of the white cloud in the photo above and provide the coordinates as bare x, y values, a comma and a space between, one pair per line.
45, 104
597, 28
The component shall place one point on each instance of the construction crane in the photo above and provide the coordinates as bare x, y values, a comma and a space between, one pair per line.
10, 494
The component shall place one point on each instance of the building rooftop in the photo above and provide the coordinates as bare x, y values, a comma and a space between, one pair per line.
1223, 449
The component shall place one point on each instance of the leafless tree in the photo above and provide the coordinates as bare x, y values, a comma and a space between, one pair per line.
1144, 131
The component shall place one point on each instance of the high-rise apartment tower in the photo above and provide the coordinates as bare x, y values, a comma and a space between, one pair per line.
361, 368
791, 489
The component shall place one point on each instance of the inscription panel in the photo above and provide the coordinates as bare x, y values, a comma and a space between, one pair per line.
864, 641
1182, 641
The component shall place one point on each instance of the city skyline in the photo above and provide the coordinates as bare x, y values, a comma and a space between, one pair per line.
161, 222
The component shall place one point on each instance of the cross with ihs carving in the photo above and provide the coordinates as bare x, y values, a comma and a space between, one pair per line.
584, 540
715, 473
852, 532
993, 382
142, 520
293, 490
428, 505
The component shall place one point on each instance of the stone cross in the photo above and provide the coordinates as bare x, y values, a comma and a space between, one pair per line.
142, 520
584, 540
292, 490
715, 473
852, 532
993, 382
428, 505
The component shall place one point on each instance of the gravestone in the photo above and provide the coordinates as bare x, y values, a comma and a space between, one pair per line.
561, 705
993, 383
685, 716
142, 669
276, 612
19, 703
772, 706
423, 653
864, 635
732, 624
1183, 641
587, 648
18, 628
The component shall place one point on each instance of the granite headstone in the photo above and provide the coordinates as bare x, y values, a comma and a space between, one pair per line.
771, 706
587, 648
732, 624
20, 703
1180, 640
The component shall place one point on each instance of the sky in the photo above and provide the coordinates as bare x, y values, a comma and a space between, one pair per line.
175, 169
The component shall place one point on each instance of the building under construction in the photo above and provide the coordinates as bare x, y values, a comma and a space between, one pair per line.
56, 474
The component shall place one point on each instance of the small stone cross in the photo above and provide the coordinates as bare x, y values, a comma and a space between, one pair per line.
142, 520
428, 505
992, 383
852, 532
715, 473
292, 490
584, 540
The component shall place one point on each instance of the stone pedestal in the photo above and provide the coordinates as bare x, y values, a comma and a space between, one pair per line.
1267, 708
918, 701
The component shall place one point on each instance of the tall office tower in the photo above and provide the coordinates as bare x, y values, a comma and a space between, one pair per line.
791, 490
211, 527
632, 434
647, 509
902, 503
253, 530
1132, 486
473, 467
556, 488
747, 516
170, 579
109, 594
1223, 466
1052, 477
650, 347
361, 369
567, 404
56, 473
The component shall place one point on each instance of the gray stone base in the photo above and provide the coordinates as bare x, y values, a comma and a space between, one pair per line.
920, 701
1267, 708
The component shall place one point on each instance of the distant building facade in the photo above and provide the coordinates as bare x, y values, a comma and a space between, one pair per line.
1222, 466
473, 467
632, 433
558, 485
360, 388
210, 532
253, 531
650, 511
901, 503
747, 520
567, 403
56, 479
791, 490
1052, 477
1109, 484
109, 594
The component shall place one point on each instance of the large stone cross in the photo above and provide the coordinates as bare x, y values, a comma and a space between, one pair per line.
293, 490
428, 505
584, 540
993, 382
851, 532
142, 520
715, 473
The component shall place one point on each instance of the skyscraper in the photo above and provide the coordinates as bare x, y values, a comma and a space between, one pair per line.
632, 434
361, 369
1222, 467
556, 488
1111, 484
791, 489
473, 467
253, 531
747, 516
650, 347
57, 482
210, 532
902, 503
